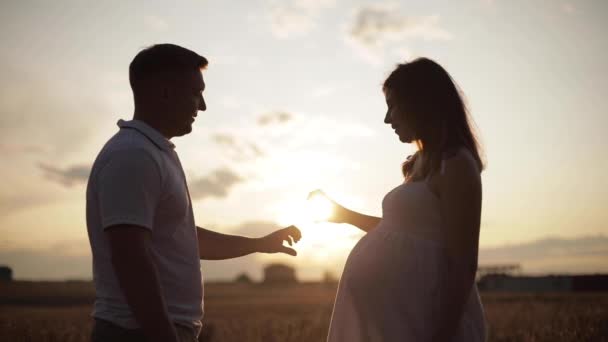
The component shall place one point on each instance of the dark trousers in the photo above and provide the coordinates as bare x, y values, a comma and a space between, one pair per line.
104, 331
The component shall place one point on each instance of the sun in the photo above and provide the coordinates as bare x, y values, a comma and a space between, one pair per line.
322, 242
319, 208
305, 211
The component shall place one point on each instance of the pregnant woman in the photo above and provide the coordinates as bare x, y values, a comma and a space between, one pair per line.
412, 276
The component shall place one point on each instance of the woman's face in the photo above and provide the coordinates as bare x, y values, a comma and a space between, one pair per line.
395, 117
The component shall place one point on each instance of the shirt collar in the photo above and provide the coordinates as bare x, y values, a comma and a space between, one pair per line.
158, 139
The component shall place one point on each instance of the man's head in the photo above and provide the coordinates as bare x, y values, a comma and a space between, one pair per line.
168, 86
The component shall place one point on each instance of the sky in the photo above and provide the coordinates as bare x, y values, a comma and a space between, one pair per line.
294, 104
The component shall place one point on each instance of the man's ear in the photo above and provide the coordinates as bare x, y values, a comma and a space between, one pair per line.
164, 92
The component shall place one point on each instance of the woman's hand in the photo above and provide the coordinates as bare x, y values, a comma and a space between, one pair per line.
340, 214
337, 214
273, 242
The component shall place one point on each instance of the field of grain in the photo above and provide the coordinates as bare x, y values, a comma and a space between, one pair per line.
45, 312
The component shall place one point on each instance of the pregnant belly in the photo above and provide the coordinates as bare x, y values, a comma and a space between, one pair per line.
391, 278
391, 264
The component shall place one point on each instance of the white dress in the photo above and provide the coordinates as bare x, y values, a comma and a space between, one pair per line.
393, 286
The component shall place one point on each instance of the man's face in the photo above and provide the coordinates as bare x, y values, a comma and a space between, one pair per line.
184, 100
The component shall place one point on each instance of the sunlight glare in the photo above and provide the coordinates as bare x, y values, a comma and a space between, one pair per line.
319, 208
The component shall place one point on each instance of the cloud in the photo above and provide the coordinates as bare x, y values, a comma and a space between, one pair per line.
373, 26
239, 151
62, 260
274, 117
552, 254
66, 108
284, 144
294, 18
224, 139
69, 176
256, 149
12, 149
12, 203
288, 21
215, 185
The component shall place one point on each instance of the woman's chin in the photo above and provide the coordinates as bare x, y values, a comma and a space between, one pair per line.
405, 140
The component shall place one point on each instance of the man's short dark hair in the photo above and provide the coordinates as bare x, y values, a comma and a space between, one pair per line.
160, 58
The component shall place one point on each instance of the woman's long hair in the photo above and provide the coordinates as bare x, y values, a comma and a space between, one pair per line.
435, 111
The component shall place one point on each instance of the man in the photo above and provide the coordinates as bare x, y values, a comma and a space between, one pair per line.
146, 246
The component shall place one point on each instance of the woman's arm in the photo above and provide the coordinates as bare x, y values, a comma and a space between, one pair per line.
361, 221
460, 201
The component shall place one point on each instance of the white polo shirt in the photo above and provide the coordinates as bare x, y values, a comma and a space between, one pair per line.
137, 179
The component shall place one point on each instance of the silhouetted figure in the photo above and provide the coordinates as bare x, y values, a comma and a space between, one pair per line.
6, 273
146, 246
411, 277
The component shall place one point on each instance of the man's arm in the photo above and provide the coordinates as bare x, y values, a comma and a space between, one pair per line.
216, 246
137, 276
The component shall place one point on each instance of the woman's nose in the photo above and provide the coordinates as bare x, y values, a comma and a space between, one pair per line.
202, 106
387, 118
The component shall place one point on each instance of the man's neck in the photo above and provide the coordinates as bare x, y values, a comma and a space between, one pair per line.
148, 120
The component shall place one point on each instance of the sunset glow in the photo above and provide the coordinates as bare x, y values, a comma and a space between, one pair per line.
319, 208
295, 103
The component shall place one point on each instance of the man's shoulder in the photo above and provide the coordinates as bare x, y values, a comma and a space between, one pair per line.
131, 139
127, 145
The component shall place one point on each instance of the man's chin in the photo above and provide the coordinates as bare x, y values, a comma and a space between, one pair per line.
183, 131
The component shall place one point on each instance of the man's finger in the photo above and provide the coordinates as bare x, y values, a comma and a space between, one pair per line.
287, 250
288, 240
294, 232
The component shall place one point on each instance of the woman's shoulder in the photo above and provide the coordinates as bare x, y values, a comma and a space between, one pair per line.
460, 158
457, 151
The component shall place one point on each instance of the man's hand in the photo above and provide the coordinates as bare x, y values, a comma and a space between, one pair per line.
273, 243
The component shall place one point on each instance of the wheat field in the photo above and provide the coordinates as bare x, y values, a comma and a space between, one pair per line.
45, 312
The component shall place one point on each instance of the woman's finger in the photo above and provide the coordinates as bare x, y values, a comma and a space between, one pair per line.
315, 193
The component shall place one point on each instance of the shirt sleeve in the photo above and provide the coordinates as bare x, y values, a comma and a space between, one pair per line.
129, 189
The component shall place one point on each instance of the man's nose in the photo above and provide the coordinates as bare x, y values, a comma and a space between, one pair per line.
387, 118
202, 106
